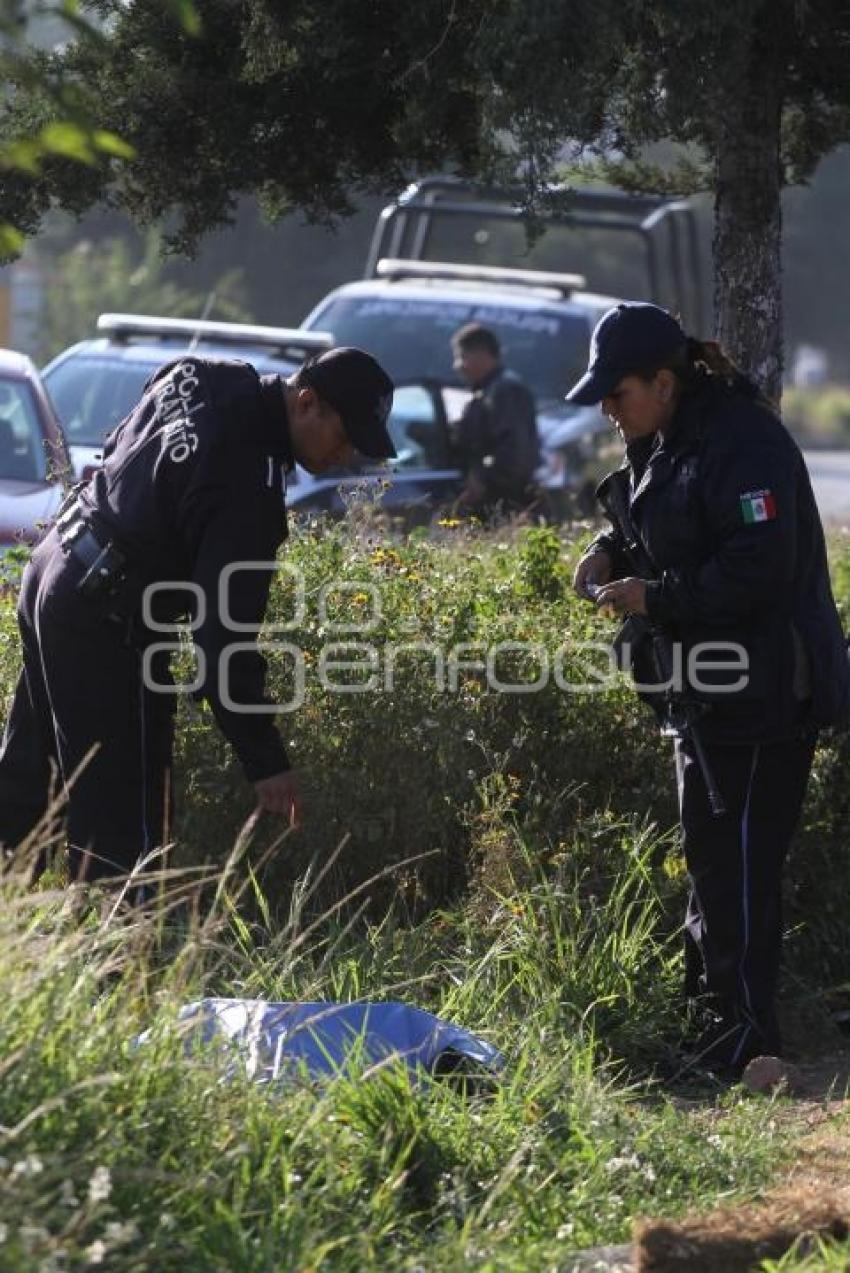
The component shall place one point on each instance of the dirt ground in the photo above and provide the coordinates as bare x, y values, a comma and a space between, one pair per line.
811, 1196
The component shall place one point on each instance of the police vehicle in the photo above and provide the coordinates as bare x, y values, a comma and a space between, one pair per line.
408, 304
406, 316
33, 458
95, 383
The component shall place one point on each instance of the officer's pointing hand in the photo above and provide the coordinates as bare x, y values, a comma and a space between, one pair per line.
624, 596
279, 794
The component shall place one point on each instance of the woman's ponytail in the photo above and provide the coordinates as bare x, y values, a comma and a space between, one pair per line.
708, 357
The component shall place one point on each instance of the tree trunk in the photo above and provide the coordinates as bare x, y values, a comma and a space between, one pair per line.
748, 217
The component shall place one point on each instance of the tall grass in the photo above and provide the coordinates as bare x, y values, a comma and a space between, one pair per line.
505, 861
157, 1158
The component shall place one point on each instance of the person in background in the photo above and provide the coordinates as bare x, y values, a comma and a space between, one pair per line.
715, 494
497, 433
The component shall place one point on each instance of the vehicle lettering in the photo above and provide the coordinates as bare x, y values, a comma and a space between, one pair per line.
520, 320
453, 315
447, 314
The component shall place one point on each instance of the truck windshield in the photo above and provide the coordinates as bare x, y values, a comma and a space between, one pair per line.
412, 337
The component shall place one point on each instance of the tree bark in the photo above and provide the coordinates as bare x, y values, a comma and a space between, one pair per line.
748, 216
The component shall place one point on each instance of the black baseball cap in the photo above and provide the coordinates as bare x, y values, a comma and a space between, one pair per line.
356, 385
629, 338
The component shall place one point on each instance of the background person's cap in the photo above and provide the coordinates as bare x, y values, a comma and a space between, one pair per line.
629, 338
356, 385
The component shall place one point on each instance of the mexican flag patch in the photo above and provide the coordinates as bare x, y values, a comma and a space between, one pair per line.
758, 506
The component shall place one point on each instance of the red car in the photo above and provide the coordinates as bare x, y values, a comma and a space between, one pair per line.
33, 457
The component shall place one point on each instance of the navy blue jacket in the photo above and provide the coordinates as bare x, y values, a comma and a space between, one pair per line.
497, 434
192, 481
723, 506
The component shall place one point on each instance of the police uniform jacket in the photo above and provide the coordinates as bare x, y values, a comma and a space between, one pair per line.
498, 434
193, 480
723, 506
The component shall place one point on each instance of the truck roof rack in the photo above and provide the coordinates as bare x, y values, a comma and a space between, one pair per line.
123, 328
666, 229
401, 267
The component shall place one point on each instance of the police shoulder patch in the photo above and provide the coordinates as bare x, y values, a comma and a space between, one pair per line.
758, 506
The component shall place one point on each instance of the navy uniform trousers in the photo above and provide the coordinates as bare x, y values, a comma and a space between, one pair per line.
733, 927
83, 728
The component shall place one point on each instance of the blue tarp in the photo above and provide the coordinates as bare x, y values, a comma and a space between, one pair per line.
274, 1039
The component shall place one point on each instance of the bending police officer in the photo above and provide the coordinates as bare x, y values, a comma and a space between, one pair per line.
717, 497
187, 510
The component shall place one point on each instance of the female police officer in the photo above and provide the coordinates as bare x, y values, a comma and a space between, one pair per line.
718, 542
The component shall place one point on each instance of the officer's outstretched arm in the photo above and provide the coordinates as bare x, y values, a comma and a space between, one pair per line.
234, 563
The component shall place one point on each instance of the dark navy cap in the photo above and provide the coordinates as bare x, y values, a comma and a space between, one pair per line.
629, 338
356, 385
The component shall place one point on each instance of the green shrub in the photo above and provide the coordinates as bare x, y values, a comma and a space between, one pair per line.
427, 785
400, 770
818, 415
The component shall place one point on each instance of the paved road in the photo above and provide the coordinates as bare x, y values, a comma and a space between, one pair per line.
830, 474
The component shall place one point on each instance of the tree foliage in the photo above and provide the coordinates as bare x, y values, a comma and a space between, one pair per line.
759, 90
307, 103
46, 118
304, 104
676, 70
310, 103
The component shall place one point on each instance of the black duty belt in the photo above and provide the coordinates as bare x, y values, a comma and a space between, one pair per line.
105, 565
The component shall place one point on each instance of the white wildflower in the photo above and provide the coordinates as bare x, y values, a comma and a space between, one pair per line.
96, 1253
67, 1195
100, 1185
120, 1231
29, 1166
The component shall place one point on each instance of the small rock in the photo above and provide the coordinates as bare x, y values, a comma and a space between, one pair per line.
770, 1074
601, 1259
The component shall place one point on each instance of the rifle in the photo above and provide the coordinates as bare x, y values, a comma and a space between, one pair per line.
681, 712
